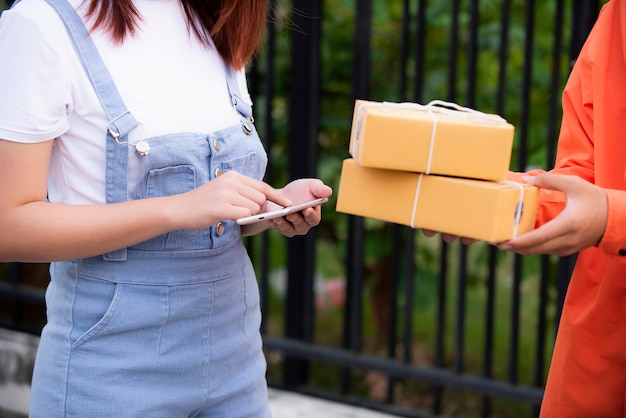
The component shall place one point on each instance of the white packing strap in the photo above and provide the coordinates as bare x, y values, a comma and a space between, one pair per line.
354, 146
416, 199
520, 204
518, 207
456, 110
433, 107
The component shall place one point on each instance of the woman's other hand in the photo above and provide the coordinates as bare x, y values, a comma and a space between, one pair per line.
298, 191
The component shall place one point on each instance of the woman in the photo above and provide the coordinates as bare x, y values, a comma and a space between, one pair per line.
127, 150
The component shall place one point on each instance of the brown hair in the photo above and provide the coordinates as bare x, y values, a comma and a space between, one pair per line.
235, 26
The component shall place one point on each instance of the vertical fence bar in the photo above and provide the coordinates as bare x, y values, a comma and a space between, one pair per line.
503, 56
304, 117
470, 95
554, 111
527, 87
493, 251
489, 327
405, 34
399, 245
556, 79
420, 51
410, 237
410, 267
418, 84
355, 271
521, 165
514, 321
392, 336
440, 335
459, 335
268, 141
542, 324
584, 15
398, 229
409, 292
454, 46
444, 249
354, 289
472, 54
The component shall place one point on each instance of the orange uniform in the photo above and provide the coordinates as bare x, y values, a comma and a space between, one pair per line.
587, 377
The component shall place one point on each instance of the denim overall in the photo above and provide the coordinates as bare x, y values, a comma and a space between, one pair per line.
169, 327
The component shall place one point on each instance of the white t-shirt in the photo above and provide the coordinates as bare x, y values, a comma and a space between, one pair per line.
167, 79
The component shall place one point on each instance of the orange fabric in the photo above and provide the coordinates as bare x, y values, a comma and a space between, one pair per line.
587, 376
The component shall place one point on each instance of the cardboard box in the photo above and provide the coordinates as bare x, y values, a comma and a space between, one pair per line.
479, 209
431, 139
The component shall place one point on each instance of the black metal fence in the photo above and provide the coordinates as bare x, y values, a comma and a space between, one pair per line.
375, 314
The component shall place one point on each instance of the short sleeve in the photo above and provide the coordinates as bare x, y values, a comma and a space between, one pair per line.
34, 93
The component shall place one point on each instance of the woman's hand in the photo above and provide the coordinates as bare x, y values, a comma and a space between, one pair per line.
299, 191
229, 196
580, 225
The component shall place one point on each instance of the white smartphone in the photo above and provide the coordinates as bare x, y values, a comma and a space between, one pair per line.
281, 212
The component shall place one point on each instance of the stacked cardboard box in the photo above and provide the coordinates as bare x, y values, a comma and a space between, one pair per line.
438, 167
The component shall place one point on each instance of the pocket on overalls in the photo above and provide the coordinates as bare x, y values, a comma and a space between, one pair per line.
95, 302
248, 165
168, 181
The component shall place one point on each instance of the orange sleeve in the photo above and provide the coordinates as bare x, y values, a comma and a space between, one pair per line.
613, 242
590, 144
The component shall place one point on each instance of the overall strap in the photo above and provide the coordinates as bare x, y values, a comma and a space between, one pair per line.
121, 122
241, 106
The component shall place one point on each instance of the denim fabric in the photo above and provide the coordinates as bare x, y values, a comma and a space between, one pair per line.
125, 349
168, 327
180, 163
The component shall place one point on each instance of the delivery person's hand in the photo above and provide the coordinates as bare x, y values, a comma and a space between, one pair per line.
580, 225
